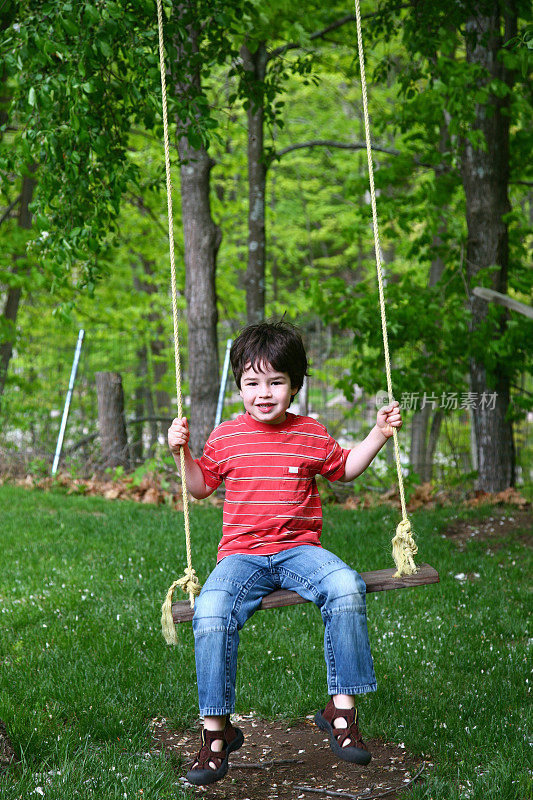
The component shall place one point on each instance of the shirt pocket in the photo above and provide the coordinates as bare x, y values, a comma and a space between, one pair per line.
295, 484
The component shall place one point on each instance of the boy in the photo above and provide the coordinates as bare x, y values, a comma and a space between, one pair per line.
271, 539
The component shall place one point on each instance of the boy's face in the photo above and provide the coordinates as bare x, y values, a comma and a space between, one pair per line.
266, 395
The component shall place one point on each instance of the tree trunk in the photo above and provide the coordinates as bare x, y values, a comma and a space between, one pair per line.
155, 399
419, 429
144, 407
434, 432
202, 240
150, 412
111, 422
426, 423
422, 446
159, 369
485, 175
12, 302
303, 398
425, 430
255, 67
145, 283
273, 238
136, 433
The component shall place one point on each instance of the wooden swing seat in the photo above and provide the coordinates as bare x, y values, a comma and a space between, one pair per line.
380, 580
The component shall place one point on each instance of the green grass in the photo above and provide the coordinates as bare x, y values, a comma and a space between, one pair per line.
84, 666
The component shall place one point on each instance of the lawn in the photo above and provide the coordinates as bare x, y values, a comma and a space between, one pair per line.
85, 669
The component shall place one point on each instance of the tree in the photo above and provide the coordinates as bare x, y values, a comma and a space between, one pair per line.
15, 279
481, 122
201, 236
111, 422
263, 82
75, 94
254, 65
82, 77
436, 82
65, 125
485, 173
320, 253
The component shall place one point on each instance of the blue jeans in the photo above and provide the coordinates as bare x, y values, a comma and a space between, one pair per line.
234, 591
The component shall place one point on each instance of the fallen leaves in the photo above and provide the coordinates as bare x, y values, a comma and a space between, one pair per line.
149, 490
429, 496
154, 489
508, 496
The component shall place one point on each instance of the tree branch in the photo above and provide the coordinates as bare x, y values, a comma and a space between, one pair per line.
9, 209
345, 146
279, 51
81, 443
145, 135
333, 793
138, 202
138, 420
490, 296
92, 436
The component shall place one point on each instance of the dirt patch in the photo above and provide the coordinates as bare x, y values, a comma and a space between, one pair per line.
496, 529
283, 761
7, 751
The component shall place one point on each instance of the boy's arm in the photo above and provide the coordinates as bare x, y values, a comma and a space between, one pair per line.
178, 436
364, 453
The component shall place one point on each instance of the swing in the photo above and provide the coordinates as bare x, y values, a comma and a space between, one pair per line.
404, 548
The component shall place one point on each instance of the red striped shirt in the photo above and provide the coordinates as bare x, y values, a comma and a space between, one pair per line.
272, 501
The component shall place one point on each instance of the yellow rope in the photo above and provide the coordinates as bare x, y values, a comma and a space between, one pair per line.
189, 582
403, 545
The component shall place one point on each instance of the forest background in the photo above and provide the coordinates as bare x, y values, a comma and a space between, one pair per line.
272, 216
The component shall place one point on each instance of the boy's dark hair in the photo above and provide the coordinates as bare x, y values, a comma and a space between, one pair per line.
278, 343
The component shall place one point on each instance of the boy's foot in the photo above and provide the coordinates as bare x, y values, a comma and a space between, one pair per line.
211, 765
344, 738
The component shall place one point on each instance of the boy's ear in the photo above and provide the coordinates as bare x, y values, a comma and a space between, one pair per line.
294, 392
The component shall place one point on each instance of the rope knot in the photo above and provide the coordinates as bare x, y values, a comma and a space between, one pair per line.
404, 548
404, 528
189, 582
191, 585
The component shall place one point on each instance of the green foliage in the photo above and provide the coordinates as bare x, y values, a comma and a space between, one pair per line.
115, 473
38, 467
153, 468
73, 70
84, 107
421, 212
81, 75
426, 334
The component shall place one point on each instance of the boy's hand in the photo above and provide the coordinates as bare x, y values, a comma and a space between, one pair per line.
389, 417
178, 435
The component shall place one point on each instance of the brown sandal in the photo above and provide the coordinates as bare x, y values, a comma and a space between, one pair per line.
356, 751
211, 765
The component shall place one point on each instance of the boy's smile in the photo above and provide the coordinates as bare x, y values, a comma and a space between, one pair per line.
266, 394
